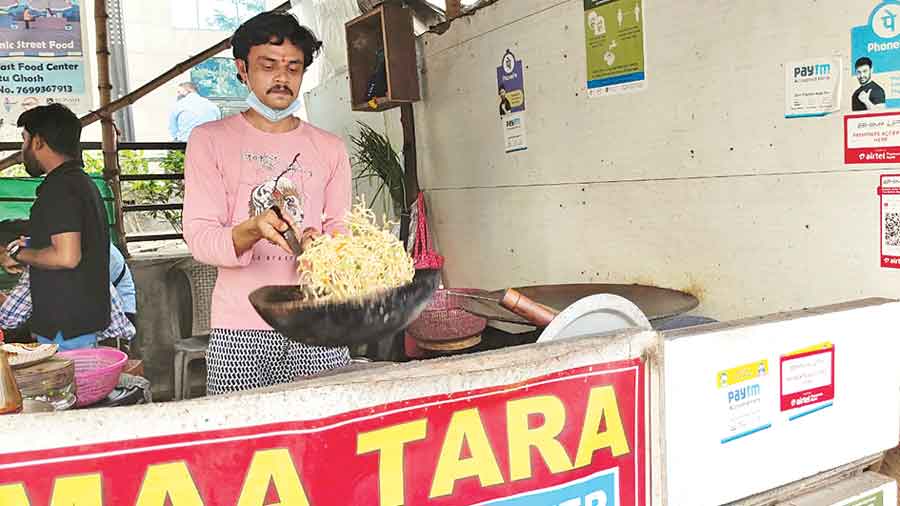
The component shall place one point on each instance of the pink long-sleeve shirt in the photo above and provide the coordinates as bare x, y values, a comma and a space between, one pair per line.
230, 171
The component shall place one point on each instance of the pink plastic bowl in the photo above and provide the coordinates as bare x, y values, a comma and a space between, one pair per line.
97, 372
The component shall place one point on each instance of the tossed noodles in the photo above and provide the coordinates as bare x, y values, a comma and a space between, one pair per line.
365, 260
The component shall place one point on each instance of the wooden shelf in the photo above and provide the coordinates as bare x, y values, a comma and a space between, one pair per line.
382, 104
388, 27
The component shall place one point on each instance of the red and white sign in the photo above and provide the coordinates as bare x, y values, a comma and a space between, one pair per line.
807, 377
889, 198
574, 437
872, 138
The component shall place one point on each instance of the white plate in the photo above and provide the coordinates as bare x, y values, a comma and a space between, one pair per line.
21, 355
593, 315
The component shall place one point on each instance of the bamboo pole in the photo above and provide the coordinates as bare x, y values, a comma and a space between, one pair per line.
144, 90
410, 168
454, 8
110, 149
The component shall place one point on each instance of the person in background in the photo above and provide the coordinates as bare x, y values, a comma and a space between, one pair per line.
16, 308
232, 169
123, 282
190, 111
68, 251
119, 275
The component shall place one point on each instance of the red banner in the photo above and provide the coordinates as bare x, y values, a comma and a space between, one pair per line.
577, 435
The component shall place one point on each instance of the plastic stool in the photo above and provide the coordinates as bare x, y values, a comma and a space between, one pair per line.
186, 351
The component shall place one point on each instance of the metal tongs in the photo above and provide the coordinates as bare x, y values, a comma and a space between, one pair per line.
291, 239
288, 234
278, 206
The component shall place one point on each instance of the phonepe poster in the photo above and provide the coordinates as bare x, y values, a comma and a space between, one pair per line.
875, 60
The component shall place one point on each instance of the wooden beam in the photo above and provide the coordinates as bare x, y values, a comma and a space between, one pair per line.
144, 90
110, 150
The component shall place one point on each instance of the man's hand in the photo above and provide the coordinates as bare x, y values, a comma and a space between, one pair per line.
270, 227
266, 226
307, 237
10, 264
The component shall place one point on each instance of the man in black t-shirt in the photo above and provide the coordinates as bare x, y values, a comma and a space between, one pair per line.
68, 250
869, 96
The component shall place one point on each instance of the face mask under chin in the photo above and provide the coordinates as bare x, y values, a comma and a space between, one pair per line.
273, 115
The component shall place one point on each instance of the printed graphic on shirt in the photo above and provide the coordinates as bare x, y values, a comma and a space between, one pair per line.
268, 167
262, 198
265, 161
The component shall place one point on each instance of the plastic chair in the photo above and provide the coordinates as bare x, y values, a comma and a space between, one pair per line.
202, 279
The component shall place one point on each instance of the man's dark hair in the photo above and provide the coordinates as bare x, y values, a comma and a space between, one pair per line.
57, 125
275, 28
189, 86
863, 62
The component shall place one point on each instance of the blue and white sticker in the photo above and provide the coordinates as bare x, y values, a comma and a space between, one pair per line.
600, 489
875, 60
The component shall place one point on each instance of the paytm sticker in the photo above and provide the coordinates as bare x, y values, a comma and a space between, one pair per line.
812, 87
743, 407
598, 489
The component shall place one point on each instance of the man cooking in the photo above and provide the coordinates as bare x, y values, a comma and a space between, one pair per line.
68, 252
232, 168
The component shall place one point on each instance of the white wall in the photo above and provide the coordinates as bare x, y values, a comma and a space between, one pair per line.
698, 183
328, 106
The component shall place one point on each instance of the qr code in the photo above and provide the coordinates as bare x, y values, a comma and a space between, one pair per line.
892, 229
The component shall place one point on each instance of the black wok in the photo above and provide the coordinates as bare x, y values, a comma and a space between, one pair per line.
350, 323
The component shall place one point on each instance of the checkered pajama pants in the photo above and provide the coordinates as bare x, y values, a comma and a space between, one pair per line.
244, 359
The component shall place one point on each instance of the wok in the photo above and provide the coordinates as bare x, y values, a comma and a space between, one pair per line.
349, 323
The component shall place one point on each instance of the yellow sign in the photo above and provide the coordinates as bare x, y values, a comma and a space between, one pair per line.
817, 347
741, 373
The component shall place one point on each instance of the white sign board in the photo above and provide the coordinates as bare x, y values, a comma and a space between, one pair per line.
802, 394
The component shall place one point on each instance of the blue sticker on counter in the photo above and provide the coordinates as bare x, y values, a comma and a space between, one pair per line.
595, 490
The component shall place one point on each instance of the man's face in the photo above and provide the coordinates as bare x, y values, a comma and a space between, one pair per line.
32, 165
182, 92
864, 74
274, 73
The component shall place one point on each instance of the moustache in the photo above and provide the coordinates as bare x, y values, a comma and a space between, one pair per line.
280, 89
